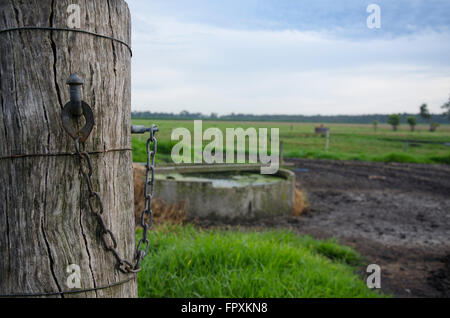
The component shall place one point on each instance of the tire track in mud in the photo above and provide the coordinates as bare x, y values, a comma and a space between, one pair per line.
410, 177
399, 218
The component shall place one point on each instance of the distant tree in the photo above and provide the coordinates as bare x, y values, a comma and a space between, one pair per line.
434, 126
425, 114
412, 122
394, 121
446, 108
375, 125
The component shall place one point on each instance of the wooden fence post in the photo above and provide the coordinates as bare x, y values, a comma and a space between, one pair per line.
48, 232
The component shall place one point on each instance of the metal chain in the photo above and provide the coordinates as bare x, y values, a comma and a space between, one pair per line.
96, 205
144, 243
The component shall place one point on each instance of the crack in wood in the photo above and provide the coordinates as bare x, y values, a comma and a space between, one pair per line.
18, 113
16, 14
8, 234
87, 247
55, 55
3, 109
46, 117
113, 46
44, 235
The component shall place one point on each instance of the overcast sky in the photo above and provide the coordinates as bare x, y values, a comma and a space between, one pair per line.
289, 56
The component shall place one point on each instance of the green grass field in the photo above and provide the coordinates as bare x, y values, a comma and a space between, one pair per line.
347, 142
187, 262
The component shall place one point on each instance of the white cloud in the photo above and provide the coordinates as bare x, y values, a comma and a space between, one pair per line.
203, 68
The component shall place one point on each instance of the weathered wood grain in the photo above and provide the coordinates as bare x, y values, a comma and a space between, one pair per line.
45, 222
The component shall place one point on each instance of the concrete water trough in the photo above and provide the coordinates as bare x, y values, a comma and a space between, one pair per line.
226, 192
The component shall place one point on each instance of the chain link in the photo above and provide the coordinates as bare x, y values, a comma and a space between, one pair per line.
97, 208
144, 243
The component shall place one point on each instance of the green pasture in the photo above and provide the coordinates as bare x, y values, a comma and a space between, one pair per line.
347, 141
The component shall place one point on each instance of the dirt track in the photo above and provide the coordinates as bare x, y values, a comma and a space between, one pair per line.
394, 215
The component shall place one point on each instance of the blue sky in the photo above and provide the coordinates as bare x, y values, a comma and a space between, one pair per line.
289, 56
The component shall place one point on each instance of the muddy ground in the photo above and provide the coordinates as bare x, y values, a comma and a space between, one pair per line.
394, 215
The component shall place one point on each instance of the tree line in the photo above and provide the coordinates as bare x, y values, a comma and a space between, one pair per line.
338, 119
422, 117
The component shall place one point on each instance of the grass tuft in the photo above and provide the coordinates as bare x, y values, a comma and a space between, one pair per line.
441, 159
187, 262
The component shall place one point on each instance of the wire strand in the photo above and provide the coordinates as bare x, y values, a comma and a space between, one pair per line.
62, 154
69, 30
62, 293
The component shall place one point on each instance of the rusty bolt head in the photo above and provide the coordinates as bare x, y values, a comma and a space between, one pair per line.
74, 79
